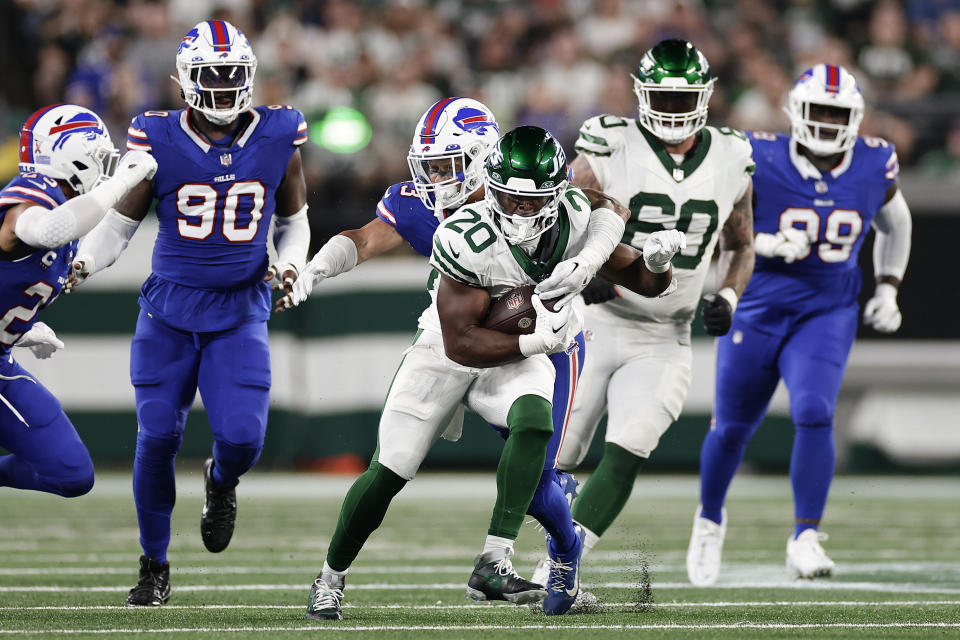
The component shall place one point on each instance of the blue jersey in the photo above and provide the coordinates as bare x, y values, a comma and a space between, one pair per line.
402, 209
31, 282
835, 207
215, 201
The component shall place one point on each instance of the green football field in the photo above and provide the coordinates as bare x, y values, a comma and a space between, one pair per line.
66, 565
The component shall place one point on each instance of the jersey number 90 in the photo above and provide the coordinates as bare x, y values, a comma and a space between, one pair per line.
198, 203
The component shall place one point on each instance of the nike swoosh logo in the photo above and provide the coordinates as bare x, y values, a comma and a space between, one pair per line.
455, 254
576, 584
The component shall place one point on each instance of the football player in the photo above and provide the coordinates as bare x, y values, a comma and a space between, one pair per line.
63, 190
225, 170
676, 173
818, 192
529, 223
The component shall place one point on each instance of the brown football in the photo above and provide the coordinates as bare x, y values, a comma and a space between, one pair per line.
513, 312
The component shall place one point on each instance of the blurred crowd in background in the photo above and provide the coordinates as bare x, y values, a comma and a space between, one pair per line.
364, 72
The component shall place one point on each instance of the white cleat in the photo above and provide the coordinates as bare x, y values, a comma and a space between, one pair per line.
705, 550
806, 558
542, 572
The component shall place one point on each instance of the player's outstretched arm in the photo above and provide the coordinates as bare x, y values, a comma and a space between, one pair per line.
103, 245
648, 273
735, 265
891, 252
37, 226
291, 235
583, 175
462, 310
340, 254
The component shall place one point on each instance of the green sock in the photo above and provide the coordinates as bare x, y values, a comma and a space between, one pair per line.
521, 463
361, 513
602, 498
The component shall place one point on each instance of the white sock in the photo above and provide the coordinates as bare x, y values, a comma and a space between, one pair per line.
496, 542
589, 540
327, 569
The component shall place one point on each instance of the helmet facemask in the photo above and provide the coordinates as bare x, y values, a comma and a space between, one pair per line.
523, 212
673, 110
445, 179
87, 160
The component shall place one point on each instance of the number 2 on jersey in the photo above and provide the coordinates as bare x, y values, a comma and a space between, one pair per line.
199, 204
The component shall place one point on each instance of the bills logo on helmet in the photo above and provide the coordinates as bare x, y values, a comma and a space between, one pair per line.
474, 120
188, 39
81, 123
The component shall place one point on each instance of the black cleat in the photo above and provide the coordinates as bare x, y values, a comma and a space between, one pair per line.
219, 511
153, 588
325, 597
494, 578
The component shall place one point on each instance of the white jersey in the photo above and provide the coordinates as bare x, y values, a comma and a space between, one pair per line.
695, 197
469, 247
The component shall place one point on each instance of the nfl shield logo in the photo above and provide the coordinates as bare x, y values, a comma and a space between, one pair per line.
515, 300
678, 174
820, 186
226, 159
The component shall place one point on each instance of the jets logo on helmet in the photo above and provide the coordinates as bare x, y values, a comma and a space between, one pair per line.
449, 147
673, 86
215, 70
525, 178
67, 142
834, 90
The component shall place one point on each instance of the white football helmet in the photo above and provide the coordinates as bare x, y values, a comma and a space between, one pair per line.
450, 145
216, 65
67, 142
832, 86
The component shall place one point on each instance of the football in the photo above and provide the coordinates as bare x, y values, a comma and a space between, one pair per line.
513, 312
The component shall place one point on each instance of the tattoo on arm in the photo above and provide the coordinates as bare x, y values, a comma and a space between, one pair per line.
583, 175
736, 245
599, 200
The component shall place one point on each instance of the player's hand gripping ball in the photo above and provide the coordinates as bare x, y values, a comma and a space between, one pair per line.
513, 312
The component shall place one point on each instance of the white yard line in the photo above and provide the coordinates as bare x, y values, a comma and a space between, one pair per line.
325, 628
455, 607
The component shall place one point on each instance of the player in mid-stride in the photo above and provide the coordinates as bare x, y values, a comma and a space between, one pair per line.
63, 190
818, 192
225, 170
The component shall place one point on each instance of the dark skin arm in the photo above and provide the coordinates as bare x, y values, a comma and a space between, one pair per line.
626, 268
583, 175
600, 200
736, 245
462, 310
291, 198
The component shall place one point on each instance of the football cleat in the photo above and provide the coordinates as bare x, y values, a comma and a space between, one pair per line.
494, 578
219, 511
705, 550
806, 558
326, 594
541, 573
563, 583
153, 587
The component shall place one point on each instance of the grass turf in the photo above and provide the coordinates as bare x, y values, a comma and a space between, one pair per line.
65, 565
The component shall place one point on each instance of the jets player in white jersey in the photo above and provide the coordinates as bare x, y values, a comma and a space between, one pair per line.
531, 224
673, 172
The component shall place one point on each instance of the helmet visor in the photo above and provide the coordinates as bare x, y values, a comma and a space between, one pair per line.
438, 179
227, 76
826, 122
523, 215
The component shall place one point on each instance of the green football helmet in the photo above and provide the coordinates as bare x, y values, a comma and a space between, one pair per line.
674, 86
526, 174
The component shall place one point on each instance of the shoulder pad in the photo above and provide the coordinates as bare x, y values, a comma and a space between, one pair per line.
32, 188
886, 153
287, 120
393, 201
602, 135
450, 255
738, 148
144, 128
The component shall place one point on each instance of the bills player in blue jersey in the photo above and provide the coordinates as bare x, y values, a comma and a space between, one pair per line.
63, 190
446, 159
817, 192
225, 170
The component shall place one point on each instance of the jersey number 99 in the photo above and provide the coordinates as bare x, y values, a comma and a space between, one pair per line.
843, 227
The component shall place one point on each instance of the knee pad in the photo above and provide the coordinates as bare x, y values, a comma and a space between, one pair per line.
811, 410
77, 486
160, 419
734, 435
154, 450
531, 414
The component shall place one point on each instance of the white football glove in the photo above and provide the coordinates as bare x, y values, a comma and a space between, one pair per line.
135, 167
554, 329
660, 248
788, 244
882, 312
566, 282
78, 274
41, 340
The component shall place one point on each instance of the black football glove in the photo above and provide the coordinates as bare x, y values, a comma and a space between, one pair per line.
717, 315
598, 291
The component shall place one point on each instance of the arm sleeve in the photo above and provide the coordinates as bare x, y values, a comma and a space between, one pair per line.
291, 237
103, 245
894, 228
604, 231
